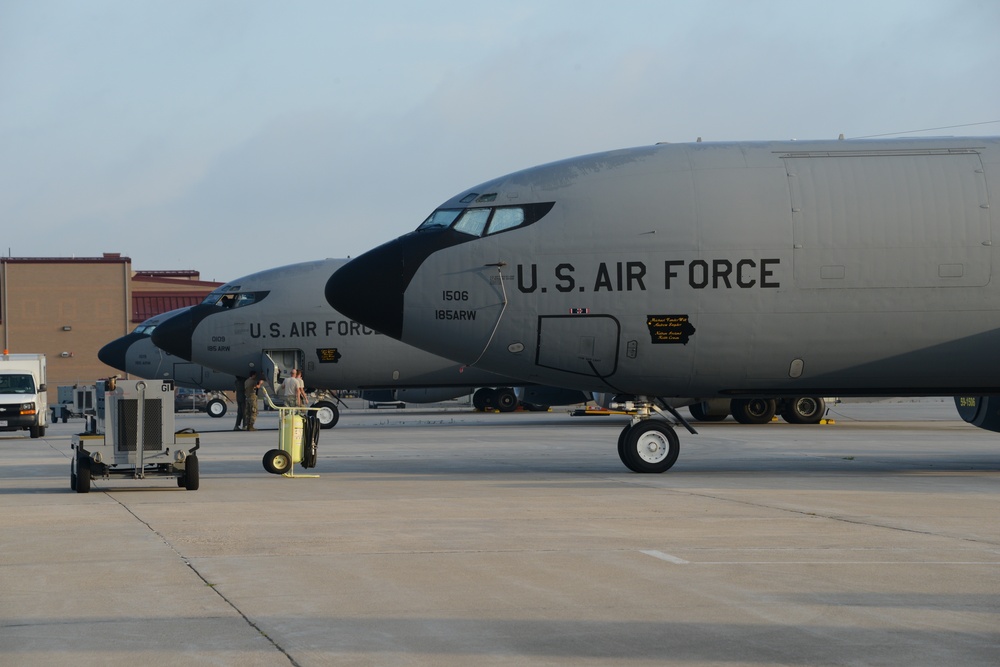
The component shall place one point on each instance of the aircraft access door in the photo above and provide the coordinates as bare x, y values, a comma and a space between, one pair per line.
189, 374
275, 362
580, 344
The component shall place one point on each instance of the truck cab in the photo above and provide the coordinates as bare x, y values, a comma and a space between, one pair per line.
23, 398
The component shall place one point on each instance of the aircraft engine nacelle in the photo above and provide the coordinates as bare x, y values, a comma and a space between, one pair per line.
981, 411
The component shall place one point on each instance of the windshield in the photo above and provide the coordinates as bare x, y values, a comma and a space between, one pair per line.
440, 219
229, 299
17, 384
486, 220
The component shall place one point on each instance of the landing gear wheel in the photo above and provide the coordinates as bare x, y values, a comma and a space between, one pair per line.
82, 475
804, 410
621, 442
699, 413
650, 447
277, 462
216, 408
506, 400
753, 410
328, 414
483, 399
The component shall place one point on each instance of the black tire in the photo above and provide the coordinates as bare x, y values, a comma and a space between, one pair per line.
181, 482
484, 399
506, 399
621, 443
650, 447
277, 461
72, 474
328, 414
753, 410
699, 413
803, 410
191, 475
82, 475
36, 431
216, 408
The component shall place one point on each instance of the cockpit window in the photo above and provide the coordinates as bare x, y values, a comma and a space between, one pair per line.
234, 299
146, 329
473, 221
440, 219
484, 221
507, 217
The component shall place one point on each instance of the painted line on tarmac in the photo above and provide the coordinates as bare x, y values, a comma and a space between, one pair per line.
666, 557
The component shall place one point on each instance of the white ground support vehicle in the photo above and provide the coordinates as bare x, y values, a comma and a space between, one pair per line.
133, 437
23, 401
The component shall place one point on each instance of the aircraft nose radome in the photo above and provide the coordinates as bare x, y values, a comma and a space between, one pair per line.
369, 289
174, 334
113, 354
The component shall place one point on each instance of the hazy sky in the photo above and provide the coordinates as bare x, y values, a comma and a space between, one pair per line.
234, 136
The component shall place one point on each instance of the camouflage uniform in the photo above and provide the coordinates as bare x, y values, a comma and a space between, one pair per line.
250, 412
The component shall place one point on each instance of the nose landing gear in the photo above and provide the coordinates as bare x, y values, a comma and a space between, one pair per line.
648, 445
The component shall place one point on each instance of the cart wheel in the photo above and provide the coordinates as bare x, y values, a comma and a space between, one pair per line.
191, 477
277, 462
82, 475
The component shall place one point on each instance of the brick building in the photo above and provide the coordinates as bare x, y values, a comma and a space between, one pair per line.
68, 308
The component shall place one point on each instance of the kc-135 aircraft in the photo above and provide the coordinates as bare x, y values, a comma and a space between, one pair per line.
278, 319
734, 270
135, 354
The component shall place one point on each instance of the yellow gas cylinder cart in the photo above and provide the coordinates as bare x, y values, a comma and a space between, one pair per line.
132, 436
298, 437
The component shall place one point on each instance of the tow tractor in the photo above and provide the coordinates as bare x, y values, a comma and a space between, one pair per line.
132, 436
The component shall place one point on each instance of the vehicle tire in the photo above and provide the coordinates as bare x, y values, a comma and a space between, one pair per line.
277, 461
506, 399
699, 413
35, 431
72, 474
328, 414
803, 410
82, 475
483, 399
650, 447
753, 410
191, 476
216, 408
181, 482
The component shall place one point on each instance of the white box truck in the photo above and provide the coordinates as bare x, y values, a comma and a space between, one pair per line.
23, 401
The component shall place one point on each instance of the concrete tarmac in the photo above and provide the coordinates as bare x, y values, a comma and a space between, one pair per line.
452, 538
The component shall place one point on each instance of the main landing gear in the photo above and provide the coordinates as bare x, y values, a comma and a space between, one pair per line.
648, 445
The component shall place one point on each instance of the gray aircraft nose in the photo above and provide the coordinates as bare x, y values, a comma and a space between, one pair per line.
173, 335
113, 354
369, 289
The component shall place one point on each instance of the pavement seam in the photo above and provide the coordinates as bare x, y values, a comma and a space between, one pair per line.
211, 586
830, 517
